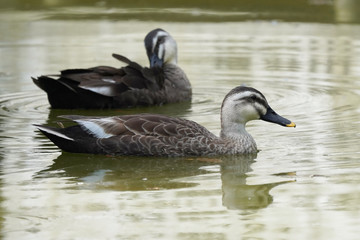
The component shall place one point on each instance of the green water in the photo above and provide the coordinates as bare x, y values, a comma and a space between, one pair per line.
303, 184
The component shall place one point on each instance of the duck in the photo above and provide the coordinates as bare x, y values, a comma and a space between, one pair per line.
147, 134
105, 87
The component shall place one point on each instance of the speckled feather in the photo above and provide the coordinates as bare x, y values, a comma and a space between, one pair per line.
150, 134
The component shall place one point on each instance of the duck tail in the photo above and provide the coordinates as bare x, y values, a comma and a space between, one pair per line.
72, 139
60, 94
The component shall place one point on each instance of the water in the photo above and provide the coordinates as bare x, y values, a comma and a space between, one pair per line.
303, 184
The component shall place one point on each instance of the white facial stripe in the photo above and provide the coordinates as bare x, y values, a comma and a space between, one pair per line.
247, 94
94, 128
161, 51
260, 107
242, 95
161, 34
233, 98
154, 43
155, 39
237, 98
55, 133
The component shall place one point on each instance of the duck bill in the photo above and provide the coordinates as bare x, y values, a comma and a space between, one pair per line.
155, 61
272, 116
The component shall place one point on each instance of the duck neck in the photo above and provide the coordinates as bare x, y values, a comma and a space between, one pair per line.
233, 131
169, 62
239, 140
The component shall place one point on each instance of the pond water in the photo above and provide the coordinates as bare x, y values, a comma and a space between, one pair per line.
303, 184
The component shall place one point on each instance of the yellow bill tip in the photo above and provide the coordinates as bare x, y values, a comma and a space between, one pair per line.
292, 124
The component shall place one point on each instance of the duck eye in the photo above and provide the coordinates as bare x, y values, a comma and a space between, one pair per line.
253, 97
161, 40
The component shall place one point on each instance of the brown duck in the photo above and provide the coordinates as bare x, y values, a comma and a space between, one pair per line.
158, 135
129, 86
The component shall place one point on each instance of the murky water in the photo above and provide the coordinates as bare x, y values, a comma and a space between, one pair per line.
303, 184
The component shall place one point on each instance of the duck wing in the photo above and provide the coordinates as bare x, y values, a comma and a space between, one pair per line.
124, 59
112, 82
103, 80
142, 134
151, 78
139, 124
102, 86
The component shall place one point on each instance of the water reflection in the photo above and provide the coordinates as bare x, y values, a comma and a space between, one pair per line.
237, 194
2, 209
173, 109
149, 174
347, 11
344, 11
198, 10
308, 71
123, 173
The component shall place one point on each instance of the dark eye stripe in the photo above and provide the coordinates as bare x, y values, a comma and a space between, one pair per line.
262, 102
253, 98
160, 41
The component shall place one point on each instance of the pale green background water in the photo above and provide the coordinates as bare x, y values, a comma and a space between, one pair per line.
304, 184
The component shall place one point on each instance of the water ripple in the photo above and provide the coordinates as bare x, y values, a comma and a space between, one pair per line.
23, 104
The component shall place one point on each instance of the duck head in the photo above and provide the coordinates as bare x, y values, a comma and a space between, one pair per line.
161, 48
243, 104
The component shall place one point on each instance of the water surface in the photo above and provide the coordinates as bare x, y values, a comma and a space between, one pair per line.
303, 184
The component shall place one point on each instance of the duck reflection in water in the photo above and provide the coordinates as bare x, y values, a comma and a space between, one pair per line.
236, 193
148, 174
171, 109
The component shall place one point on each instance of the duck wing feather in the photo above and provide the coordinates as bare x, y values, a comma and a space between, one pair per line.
140, 124
145, 135
104, 80
111, 82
